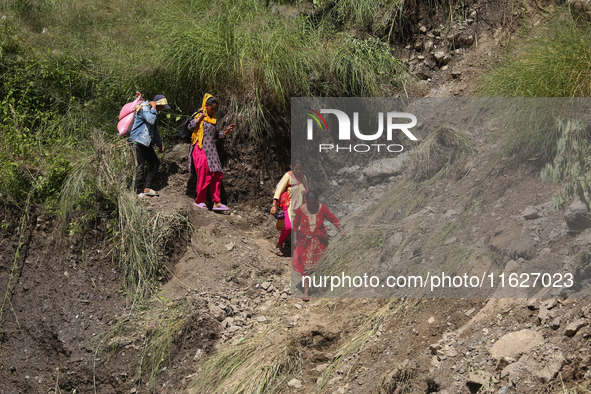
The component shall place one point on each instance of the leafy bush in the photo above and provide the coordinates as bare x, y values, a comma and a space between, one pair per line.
50, 102
572, 165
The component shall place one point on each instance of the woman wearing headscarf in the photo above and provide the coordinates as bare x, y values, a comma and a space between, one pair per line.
205, 156
311, 235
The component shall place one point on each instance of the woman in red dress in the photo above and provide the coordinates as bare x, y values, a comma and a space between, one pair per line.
311, 236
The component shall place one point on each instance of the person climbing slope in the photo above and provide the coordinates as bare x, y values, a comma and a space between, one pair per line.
289, 195
311, 235
143, 136
205, 156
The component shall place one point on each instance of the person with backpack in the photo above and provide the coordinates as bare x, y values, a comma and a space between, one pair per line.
143, 136
289, 195
205, 156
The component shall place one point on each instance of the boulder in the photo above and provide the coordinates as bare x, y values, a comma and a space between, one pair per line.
423, 72
515, 344
530, 213
218, 313
442, 57
548, 371
464, 41
295, 383
385, 168
577, 217
476, 380
574, 327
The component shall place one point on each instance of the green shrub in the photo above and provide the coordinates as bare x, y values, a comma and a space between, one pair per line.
50, 102
572, 164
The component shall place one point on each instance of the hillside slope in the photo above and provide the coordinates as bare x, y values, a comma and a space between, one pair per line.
227, 319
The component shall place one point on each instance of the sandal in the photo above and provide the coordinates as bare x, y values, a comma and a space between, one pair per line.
305, 299
278, 252
200, 205
220, 208
151, 193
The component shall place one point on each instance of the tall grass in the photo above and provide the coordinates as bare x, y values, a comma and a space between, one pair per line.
99, 177
362, 68
257, 57
100, 189
388, 20
241, 52
363, 14
143, 236
554, 62
363, 334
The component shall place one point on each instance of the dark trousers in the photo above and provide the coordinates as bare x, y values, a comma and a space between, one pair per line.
145, 154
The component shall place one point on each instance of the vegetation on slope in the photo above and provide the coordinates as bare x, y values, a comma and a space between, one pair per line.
552, 62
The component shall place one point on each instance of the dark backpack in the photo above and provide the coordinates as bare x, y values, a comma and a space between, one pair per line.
186, 130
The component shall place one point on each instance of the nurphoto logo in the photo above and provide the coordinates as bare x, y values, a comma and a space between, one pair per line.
390, 122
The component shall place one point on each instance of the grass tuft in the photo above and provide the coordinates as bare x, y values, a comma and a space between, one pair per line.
100, 188
438, 152
553, 62
253, 365
154, 329
364, 333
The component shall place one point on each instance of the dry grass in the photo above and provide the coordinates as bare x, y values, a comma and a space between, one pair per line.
154, 328
356, 343
253, 365
101, 182
438, 152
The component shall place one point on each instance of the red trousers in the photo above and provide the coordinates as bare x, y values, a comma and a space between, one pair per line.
287, 229
206, 180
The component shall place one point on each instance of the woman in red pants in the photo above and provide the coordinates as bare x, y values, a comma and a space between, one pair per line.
289, 195
205, 156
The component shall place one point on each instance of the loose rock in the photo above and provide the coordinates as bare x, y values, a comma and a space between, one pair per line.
515, 344
575, 326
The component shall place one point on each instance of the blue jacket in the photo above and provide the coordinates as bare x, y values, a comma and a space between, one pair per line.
145, 130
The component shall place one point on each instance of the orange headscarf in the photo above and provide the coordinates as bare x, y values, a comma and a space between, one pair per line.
197, 136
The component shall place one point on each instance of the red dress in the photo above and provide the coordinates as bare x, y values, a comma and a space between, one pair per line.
312, 238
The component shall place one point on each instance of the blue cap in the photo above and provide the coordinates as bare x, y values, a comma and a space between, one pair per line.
161, 100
